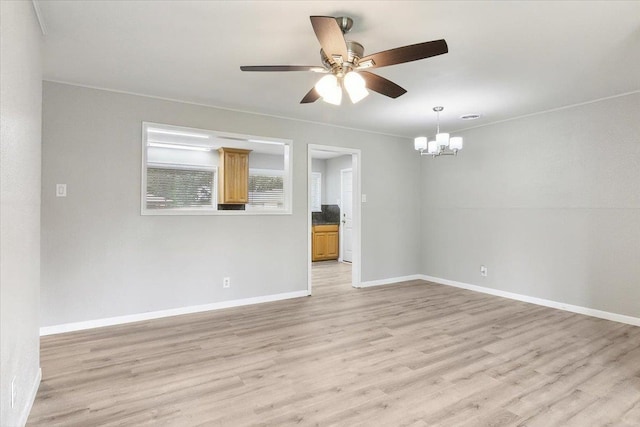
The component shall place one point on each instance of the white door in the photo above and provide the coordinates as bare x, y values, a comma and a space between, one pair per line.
346, 215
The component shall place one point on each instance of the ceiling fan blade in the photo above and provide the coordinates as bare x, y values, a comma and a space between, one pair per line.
381, 85
404, 54
311, 96
330, 37
313, 68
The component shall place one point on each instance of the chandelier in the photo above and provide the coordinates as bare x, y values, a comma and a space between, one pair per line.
443, 145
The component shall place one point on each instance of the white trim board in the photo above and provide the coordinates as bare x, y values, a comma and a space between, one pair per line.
130, 318
31, 398
78, 326
43, 26
390, 281
622, 318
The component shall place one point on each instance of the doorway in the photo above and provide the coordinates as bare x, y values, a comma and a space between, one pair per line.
333, 208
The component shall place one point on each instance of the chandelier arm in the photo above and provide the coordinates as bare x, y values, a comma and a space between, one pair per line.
439, 153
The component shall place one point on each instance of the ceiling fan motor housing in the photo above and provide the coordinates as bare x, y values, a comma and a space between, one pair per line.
355, 51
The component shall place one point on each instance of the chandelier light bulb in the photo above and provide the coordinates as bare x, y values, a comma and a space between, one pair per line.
420, 143
455, 143
443, 139
433, 147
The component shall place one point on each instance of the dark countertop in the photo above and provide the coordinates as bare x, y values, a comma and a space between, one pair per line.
330, 215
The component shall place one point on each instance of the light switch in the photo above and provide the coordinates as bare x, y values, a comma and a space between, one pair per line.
61, 190
364, 198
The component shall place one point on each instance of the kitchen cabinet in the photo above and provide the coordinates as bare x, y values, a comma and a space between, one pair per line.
233, 176
324, 242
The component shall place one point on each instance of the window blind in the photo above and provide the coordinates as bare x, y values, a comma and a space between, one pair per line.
180, 188
266, 189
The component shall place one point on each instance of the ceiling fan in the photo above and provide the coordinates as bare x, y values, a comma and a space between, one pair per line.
344, 63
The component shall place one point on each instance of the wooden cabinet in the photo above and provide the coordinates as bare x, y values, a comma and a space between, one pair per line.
324, 242
233, 176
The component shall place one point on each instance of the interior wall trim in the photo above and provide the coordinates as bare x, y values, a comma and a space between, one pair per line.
31, 397
130, 318
390, 281
36, 8
622, 318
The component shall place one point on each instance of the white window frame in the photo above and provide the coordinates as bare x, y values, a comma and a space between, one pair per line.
287, 174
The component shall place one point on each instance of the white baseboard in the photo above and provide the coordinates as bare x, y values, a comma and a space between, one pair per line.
90, 324
97, 323
622, 318
31, 397
390, 281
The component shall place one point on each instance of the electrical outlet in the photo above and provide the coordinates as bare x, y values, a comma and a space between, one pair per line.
14, 392
226, 282
483, 271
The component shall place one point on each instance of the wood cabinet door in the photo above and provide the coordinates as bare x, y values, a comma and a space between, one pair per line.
332, 245
234, 176
319, 246
324, 242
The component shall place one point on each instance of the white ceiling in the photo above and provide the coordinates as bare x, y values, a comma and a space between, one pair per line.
506, 59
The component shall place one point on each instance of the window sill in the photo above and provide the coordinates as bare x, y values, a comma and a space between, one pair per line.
211, 212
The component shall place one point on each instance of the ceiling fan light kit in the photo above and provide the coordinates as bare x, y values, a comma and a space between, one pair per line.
345, 64
329, 89
442, 145
355, 86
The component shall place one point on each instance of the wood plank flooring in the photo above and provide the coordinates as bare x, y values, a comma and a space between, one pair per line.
410, 354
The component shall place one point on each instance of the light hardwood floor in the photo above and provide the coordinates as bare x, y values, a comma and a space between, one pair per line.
414, 354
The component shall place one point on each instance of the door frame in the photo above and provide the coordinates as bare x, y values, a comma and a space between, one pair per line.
356, 167
341, 249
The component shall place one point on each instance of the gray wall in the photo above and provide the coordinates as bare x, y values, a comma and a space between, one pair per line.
20, 109
334, 166
549, 203
100, 258
266, 161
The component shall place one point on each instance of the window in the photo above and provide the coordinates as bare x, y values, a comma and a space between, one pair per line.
180, 187
182, 169
316, 192
266, 189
